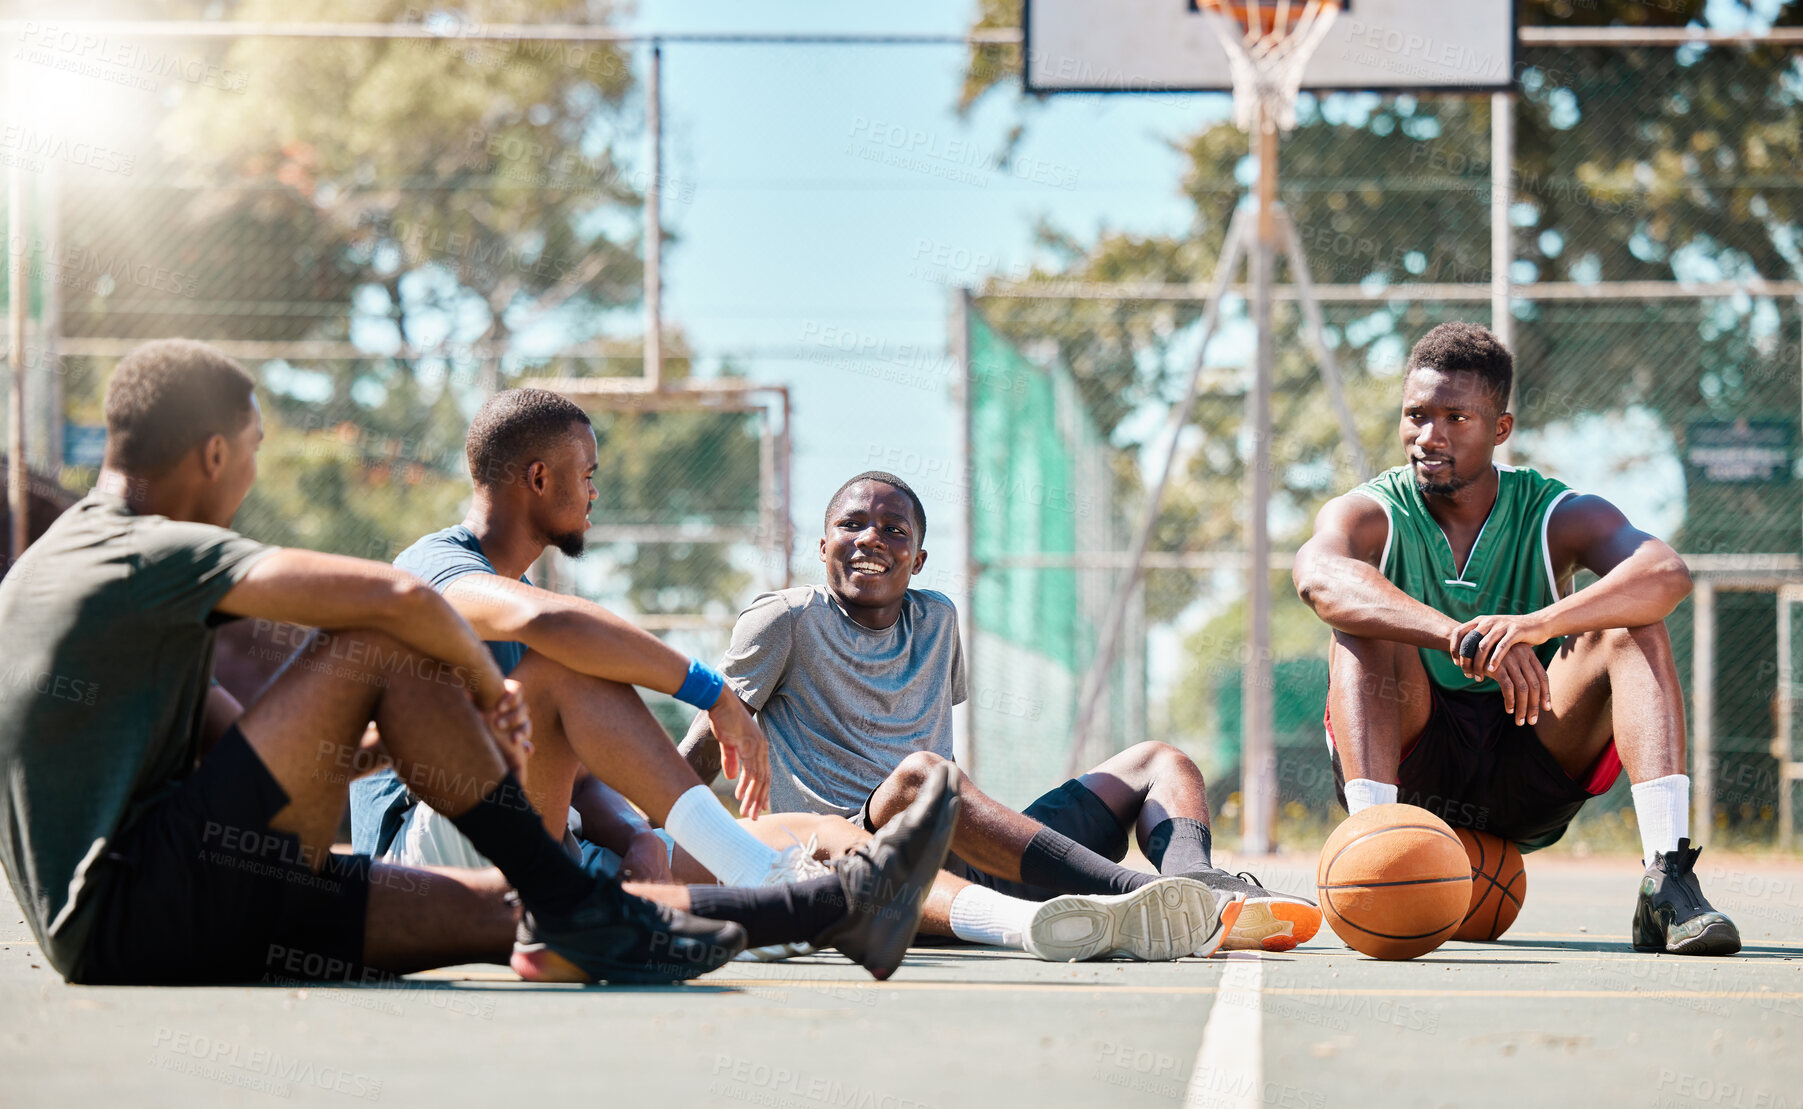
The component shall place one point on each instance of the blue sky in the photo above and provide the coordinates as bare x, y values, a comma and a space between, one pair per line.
807, 234
806, 237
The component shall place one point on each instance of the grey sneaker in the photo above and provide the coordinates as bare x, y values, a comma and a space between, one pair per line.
1164, 919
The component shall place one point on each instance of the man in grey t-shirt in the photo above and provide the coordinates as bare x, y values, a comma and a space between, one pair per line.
841, 703
854, 683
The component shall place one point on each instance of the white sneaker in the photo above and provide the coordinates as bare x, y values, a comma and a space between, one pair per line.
795, 863
1163, 919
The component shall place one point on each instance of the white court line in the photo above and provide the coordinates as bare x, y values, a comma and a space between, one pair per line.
1230, 1064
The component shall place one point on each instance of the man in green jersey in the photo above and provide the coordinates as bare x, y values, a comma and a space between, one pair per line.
1468, 677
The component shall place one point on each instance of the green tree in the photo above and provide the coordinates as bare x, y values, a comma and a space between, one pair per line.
1629, 164
453, 207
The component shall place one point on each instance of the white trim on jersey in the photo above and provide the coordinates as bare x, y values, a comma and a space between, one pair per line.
1383, 563
1546, 553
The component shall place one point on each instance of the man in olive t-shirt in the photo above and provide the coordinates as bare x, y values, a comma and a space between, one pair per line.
109, 622
154, 830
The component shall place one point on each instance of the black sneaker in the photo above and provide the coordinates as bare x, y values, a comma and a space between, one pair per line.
1269, 920
616, 937
1673, 916
886, 878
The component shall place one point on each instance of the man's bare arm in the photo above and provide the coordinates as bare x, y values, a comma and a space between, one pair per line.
335, 593
589, 639
701, 750
1336, 574
1640, 581
573, 631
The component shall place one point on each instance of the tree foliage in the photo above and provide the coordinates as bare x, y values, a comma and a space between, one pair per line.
1630, 164
457, 208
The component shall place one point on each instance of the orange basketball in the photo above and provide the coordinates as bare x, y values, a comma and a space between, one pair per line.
1394, 881
1499, 884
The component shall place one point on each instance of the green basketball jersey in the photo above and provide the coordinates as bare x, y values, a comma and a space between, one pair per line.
1509, 571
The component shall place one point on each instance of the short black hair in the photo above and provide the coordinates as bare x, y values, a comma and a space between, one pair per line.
168, 397
1467, 348
920, 512
514, 429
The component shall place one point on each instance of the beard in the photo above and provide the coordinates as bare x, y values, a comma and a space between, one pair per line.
570, 542
1447, 488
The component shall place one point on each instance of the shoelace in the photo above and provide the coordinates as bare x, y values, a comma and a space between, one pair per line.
808, 850
1248, 876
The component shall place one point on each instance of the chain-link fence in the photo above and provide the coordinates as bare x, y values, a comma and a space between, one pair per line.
1657, 333
385, 231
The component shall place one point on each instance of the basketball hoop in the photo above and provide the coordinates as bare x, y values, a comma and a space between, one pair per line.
1268, 44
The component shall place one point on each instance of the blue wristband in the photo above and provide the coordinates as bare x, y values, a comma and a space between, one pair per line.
702, 687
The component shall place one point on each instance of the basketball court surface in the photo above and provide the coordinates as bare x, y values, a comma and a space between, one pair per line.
1560, 1012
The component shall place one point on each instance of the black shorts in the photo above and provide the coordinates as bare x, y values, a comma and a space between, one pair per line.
200, 890
1070, 810
1474, 767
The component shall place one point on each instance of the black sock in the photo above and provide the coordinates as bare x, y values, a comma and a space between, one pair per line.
796, 911
1180, 845
505, 827
1060, 863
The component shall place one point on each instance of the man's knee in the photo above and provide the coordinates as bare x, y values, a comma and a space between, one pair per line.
1367, 654
911, 773
354, 643
362, 655
1377, 670
1160, 759
1652, 640
541, 674
543, 678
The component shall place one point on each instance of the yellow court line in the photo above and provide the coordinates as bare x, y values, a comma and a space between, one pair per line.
1285, 991
1612, 939
1724, 995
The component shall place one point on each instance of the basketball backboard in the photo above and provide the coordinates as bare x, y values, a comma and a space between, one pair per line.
1168, 46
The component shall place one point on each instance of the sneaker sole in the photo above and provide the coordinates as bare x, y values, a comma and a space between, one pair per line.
1273, 924
887, 953
1719, 937
1162, 920
775, 953
542, 962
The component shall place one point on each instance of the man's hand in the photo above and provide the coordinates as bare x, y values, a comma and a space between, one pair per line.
745, 754
647, 859
511, 725
1500, 634
1526, 689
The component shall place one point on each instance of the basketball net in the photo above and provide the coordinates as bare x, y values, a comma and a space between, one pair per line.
1268, 44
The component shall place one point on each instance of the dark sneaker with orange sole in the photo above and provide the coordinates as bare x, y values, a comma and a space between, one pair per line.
621, 939
1673, 916
886, 879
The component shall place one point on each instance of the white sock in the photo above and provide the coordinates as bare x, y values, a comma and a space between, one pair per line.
1362, 793
981, 915
707, 831
1662, 807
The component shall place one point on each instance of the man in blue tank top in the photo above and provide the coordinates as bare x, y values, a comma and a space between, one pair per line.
1559, 691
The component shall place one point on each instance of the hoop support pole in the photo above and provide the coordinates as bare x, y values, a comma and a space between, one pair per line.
1233, 247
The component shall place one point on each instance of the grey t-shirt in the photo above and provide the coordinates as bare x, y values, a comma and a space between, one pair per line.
109, 628
841, 704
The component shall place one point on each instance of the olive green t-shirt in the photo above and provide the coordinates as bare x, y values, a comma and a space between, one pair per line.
108, 628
